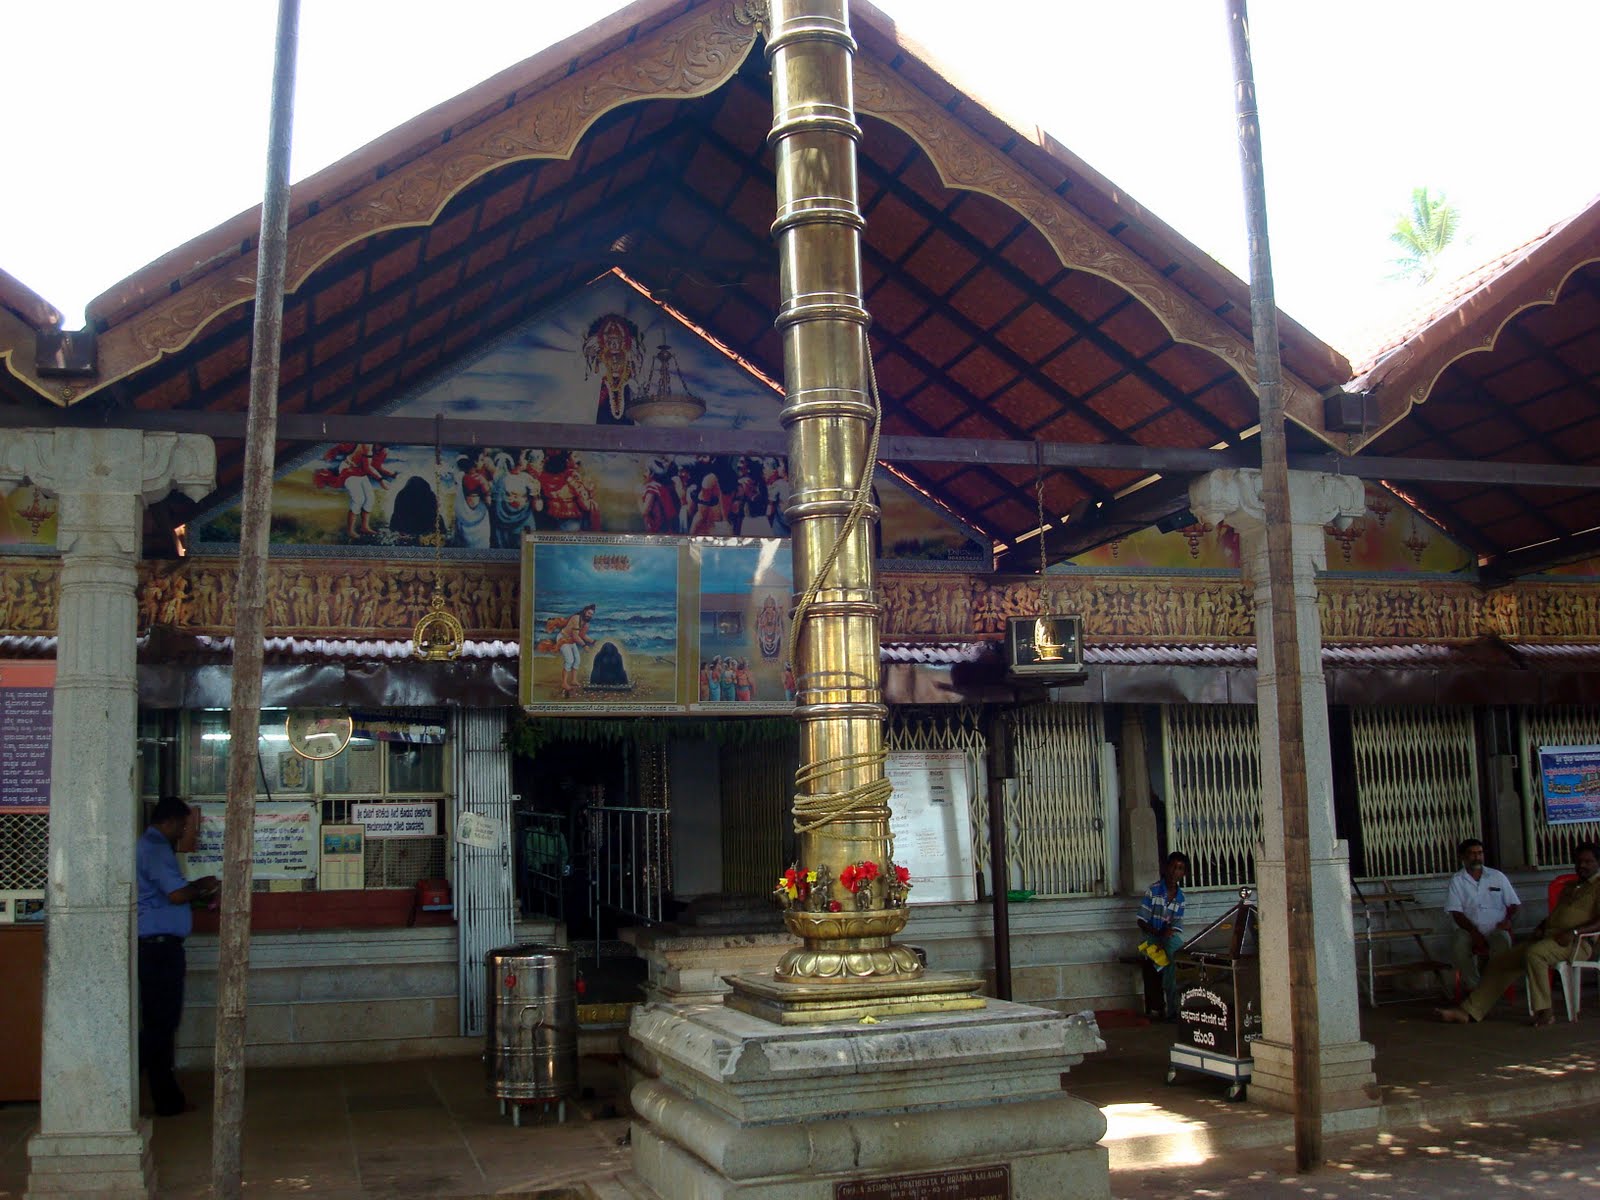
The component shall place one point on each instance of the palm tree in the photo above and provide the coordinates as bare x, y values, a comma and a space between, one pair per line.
1422, 235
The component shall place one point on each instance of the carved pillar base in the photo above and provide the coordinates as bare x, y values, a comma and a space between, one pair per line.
105, 1166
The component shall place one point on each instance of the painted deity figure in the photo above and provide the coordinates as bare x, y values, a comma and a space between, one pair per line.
614, 350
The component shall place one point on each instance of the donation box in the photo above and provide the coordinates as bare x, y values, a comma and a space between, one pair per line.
1219, 1002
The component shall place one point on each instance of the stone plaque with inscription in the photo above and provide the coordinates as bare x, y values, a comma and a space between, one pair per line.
960, 1183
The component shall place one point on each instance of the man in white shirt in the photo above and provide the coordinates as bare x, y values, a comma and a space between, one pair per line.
1482, 903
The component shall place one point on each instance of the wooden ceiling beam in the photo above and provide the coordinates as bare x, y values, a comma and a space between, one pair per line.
691, 439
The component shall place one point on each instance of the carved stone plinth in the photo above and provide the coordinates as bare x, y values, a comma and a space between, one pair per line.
736, 1107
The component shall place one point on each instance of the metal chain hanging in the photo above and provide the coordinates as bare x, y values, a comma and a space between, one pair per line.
438, 636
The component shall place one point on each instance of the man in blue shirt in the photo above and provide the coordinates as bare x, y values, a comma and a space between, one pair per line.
1161, 922
164, 921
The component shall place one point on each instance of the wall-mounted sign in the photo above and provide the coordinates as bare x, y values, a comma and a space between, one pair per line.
285, 844
1570, 779
343, 859
475, 829
397, 819
931, 823
27, 703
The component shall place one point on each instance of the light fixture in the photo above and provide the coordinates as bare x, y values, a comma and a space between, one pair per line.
661, 403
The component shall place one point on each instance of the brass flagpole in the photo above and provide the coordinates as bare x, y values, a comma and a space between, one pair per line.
846, 896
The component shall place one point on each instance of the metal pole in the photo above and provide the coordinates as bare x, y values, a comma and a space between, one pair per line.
1001, 768
1300, 927
245, 720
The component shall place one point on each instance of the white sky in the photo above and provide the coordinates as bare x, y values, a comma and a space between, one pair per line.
136, 126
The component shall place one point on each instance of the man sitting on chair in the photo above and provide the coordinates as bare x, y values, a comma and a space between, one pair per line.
1482, 903
1576, 911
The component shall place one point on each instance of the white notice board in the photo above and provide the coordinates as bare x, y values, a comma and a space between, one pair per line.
931, 823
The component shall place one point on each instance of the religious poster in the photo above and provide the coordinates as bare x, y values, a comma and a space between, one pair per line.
931, 823
344, 861
286, 843
27, 518
745, 592
602, 629
1570, 780
27, 705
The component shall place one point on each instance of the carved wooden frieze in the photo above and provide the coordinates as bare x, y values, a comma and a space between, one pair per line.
383, 599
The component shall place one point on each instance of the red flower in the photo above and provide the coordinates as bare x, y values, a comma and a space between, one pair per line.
902, 874
849, 879
834, 906
869, 871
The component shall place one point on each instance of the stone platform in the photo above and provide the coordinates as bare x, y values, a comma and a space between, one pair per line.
729, 1105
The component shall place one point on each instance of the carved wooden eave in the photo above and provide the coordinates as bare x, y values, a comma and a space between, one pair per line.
689, 56
1406, 375
967, 162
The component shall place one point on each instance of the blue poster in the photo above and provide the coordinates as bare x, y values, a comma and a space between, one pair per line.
1571, 781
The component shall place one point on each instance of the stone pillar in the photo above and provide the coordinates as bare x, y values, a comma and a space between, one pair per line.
90, 1139
1141, 840
1349, 1086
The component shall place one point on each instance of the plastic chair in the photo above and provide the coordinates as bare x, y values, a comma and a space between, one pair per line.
1570, 972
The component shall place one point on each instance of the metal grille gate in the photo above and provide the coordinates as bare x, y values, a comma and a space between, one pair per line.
757, 780
1416, 788
483, 885
1212, 758
1057, 820
630, 849
1552, 845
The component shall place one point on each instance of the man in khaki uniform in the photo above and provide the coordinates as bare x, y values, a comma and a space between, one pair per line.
1576, 911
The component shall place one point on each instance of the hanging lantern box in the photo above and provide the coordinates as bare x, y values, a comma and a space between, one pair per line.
1045, 649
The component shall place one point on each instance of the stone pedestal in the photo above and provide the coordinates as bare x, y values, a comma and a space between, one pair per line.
687, 964
1349, 1087
739, 1107
90, 1142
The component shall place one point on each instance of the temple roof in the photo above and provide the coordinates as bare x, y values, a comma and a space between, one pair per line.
1017, 295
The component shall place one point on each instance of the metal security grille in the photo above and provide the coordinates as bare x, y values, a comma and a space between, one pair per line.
945, 729
1416, 788
757, 781
483, 880
24, 850
1212, 757
401, 862
1057, 820
1551, 845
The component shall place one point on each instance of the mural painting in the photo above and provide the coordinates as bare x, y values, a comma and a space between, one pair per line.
745, 593
1391, 537
588, 362
601, 625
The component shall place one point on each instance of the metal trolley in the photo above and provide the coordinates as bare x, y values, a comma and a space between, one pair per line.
532, 1052
1219, 999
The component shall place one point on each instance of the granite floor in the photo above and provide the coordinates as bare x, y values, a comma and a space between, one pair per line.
429, 1128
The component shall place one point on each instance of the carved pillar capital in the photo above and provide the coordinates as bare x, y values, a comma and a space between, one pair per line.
103, 476
1315, 500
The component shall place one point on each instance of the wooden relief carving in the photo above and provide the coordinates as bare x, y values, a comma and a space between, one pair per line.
383, 598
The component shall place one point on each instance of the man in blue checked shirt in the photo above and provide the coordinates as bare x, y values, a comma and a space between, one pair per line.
164, 896
1161, 922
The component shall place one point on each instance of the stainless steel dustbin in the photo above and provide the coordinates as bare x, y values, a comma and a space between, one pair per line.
532, 1053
